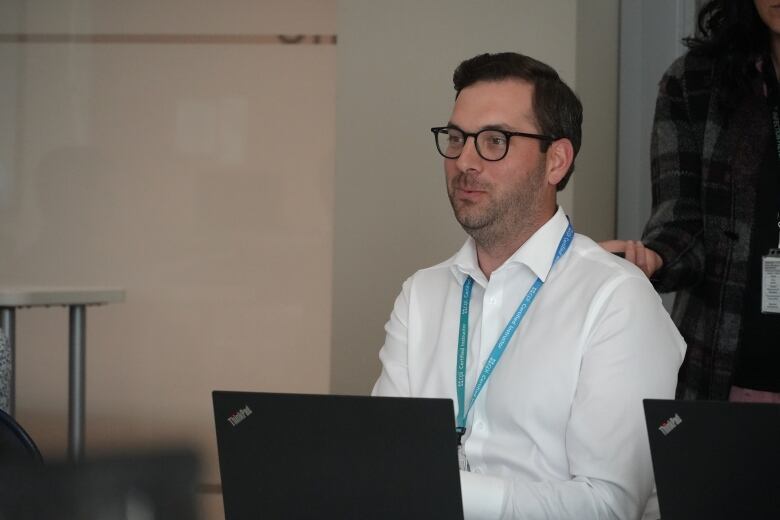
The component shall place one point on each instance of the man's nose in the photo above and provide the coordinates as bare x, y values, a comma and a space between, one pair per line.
469, 158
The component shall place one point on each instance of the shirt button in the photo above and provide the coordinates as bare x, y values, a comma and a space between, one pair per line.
492, 300
480, 426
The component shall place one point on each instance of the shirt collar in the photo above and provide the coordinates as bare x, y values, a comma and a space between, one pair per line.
536, 253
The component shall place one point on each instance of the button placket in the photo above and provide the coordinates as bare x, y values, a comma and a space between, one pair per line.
491, 326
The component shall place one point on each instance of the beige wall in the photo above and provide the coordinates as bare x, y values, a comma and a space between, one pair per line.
596, 82
197, 175
395, 63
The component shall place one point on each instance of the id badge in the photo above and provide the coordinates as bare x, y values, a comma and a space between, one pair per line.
463, 462
770, 282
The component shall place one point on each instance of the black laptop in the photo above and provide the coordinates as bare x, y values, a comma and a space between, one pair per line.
715, 459
323, 456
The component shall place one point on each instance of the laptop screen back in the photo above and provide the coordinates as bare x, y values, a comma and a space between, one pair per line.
715, 459
320, 456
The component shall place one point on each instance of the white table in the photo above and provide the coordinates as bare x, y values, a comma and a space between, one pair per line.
76, 299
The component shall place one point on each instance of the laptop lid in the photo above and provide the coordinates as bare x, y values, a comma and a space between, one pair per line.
715, 459
322, 456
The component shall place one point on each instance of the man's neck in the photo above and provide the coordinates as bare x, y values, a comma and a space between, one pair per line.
775, 46
492, 257
492, 254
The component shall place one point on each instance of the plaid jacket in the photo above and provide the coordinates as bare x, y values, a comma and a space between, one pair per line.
704, 166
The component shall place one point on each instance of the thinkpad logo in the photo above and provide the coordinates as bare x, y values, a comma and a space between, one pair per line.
670, 424
240, 415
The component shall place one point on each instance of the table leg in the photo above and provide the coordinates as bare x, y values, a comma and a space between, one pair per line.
76, 394
8, 324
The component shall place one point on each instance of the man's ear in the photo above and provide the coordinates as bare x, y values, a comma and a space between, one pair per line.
560, 155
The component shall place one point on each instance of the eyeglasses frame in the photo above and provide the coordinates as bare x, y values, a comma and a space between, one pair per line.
437, 129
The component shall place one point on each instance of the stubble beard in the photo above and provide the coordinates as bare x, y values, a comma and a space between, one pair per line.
502, 216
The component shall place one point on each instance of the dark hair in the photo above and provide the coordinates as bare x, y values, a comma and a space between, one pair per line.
732, 34
556, 108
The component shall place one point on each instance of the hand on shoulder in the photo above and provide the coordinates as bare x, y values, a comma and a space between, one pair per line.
635, 252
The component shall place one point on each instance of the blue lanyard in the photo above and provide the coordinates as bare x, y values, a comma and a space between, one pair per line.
503, 340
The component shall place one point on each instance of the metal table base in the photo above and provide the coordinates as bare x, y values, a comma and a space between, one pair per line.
77, 301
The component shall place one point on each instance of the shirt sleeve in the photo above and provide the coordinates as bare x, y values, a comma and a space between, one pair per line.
675, 227
631, 352
394, 379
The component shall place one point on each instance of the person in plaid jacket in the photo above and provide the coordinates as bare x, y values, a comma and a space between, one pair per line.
716, 201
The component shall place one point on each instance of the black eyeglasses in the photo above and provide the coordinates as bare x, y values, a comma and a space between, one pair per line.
491, 144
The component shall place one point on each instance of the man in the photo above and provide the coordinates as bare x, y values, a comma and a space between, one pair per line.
559, 340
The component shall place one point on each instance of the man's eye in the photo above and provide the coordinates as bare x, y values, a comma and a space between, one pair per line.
493, 140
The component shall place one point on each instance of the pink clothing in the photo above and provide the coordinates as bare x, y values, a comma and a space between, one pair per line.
747, 395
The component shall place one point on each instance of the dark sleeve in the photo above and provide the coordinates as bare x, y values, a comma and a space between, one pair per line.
675, 227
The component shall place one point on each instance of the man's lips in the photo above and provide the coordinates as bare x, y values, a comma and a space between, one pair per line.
469, 193
468, 187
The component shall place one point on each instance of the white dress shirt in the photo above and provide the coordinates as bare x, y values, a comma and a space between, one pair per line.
558, 430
